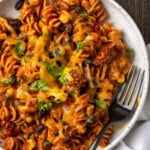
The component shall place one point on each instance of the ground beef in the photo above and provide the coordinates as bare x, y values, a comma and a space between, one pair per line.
79, 79
106, 55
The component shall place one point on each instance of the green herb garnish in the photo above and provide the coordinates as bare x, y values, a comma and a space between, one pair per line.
7, 81
52, 70
100, 103
19, 49
79, 46
39, 85
57, 101
89, 120
72, 94
25, 58
62, 79
44, 107
31, 136
130, 52
84, 15
47, 143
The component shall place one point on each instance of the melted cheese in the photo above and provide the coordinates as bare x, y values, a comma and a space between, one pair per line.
40, 46
75, 59
67, 115
50, 80
22, 93
58, 93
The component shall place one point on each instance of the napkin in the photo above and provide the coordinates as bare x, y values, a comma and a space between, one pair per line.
139, 137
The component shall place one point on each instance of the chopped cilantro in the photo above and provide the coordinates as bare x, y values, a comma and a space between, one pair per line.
19, 49
100, 103
47, 144
84, 15
51, 69
130, 52
79, 46
31, 136
7, 81
62, 79
89, 121
25, 58
72, 94
57, 101
44, 107
39, 85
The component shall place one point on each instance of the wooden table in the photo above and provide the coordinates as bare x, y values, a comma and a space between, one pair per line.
140, 12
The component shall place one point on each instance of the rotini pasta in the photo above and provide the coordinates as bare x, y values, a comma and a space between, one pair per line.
60, 65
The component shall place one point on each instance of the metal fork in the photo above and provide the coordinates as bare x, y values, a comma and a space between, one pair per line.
124, 104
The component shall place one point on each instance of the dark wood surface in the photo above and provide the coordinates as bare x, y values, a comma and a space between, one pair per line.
140, 12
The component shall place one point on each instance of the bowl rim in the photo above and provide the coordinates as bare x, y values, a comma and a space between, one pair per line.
146, 77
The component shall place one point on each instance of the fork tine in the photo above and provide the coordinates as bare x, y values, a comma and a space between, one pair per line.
130, 71
122, 92
137, 89
140, 92
130, 91
132, 86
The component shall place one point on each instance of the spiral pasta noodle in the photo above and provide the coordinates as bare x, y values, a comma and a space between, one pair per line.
13, 143
105, 139
95, 8
60, 65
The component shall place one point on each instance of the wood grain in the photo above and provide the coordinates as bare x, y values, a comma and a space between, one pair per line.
140, 12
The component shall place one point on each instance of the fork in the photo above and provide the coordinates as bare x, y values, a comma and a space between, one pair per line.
125, 101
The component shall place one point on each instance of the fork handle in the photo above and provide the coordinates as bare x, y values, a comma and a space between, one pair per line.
99, 136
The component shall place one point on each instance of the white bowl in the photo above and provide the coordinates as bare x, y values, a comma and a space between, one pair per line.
132, 36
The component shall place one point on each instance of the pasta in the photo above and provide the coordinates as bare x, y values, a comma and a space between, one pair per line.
60, 65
